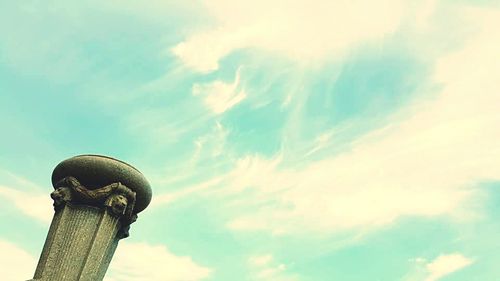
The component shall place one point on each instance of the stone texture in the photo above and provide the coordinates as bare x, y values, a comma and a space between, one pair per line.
80, 244
94, 171
96, 198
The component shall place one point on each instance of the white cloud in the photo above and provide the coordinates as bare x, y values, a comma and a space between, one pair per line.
17, 264
220, 96
212, 144
131, 262
160, 127
424, 12
446, 264
302, 30
37, 205
167, 198
260, 260
270, 273
144, 262
424, 163
265, 268
441, 266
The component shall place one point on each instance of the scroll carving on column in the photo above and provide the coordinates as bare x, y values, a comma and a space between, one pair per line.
117, 198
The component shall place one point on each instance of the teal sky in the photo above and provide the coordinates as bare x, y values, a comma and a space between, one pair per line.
284, 140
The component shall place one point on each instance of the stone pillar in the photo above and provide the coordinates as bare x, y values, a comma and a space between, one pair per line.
96, 198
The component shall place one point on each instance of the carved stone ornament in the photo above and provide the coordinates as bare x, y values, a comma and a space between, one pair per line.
96, 198
118, 199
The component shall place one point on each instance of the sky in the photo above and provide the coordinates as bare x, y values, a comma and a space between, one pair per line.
287, 140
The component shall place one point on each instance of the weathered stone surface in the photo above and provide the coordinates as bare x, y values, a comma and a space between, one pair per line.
96, 198
96, 171
118, 199
80, 244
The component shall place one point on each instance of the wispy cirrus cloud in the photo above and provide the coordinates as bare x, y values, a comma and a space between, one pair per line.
220, 96
301, 30
425, 162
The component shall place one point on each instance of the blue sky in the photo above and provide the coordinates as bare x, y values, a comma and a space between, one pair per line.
284, 140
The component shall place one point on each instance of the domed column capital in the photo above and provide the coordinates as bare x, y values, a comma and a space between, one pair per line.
96, 198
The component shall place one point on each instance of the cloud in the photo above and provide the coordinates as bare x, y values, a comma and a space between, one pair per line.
300, 30
267, 269
17, 264
425, 162
440, 267
446, 264
131, 262
270, 273
220, 96
143, 262
167, 198
260, 260
148, 262
37, 206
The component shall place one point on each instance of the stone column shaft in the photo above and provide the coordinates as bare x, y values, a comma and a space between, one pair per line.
80, 244
96, 198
